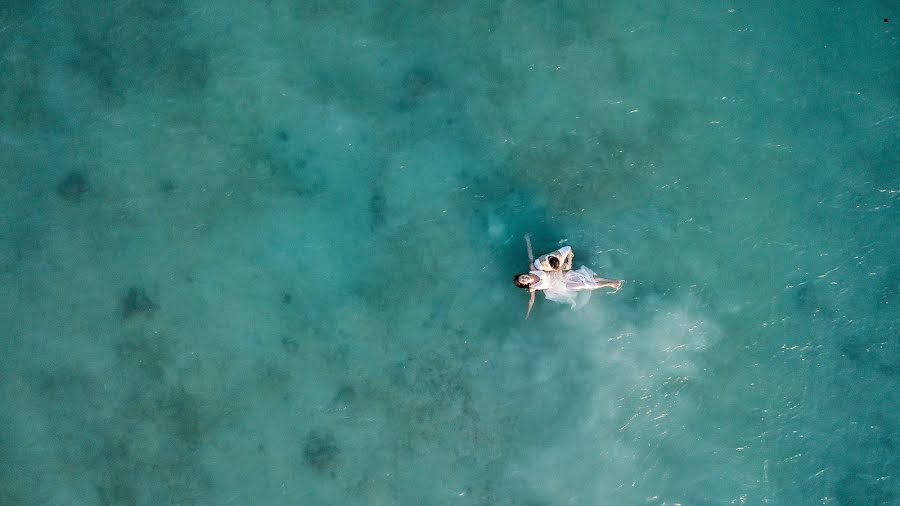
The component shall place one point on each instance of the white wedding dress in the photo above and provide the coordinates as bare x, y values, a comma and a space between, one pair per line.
572, 287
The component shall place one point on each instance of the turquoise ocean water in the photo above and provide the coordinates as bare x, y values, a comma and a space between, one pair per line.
261, 252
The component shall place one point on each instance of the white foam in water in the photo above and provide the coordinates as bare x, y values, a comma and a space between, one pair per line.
631, 377
496, 227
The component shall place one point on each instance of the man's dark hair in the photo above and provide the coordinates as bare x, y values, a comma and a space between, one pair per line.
554, 262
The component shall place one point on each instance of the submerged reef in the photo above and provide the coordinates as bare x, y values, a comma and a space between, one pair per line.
136, 301
320, 450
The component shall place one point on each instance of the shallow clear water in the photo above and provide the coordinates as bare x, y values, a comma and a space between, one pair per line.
261, 253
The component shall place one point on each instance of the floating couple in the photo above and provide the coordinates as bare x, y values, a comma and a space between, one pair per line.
552, 274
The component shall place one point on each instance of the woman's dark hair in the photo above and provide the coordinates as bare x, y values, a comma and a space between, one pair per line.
554, 262
519, 283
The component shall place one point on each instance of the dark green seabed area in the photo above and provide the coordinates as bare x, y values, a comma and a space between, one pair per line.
261, 252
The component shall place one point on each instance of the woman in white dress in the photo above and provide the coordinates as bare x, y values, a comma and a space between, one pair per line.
552, 274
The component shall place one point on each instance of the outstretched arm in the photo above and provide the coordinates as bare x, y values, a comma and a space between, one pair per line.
528, 245
567, 261
530, 303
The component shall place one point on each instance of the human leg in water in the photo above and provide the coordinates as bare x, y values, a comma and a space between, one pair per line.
607, 283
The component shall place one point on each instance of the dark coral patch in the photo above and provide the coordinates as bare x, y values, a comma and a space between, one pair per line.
73, 187
290, 344
320, 450
136, 301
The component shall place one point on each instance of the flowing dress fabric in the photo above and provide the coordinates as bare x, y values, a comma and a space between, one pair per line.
572, 287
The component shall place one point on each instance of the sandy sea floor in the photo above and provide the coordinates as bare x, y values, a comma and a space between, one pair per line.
261, 252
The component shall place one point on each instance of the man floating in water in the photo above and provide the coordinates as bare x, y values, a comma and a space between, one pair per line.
552, 274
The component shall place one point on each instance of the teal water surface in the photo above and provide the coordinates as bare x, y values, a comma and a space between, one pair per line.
262, 252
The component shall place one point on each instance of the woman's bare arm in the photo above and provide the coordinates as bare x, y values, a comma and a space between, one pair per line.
530, 303
567, 262
528, 245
